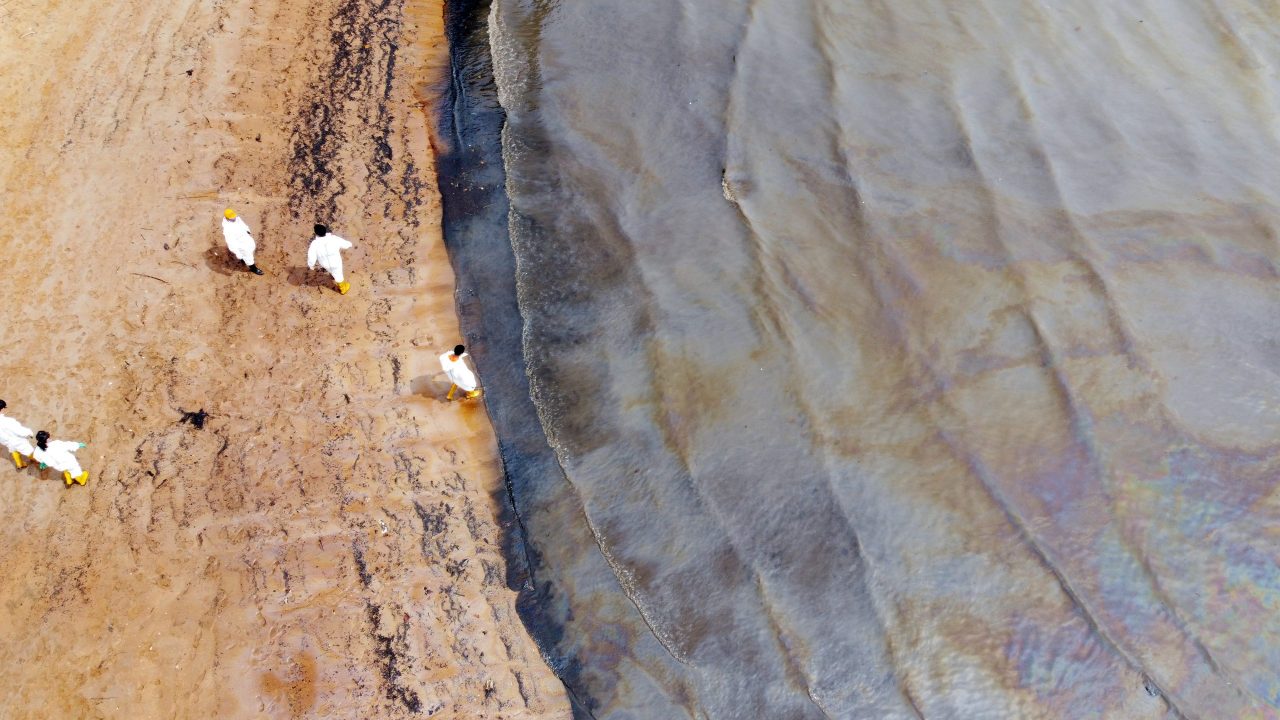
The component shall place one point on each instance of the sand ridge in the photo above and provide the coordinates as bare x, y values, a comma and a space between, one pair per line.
328, 544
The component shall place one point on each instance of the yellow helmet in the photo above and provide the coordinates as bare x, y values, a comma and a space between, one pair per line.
229, 214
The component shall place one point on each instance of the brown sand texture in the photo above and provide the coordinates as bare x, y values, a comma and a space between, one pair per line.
328, 546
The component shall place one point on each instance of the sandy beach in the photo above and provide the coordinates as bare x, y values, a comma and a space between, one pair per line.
329, 544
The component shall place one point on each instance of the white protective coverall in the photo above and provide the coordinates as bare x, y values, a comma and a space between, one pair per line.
239, 239
60, 456
458, 372
326, 251
14, 436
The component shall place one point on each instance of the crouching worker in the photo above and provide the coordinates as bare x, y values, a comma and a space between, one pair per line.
59, 455
14, 436
459, 374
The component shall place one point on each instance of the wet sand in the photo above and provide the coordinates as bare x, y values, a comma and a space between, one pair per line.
329, 544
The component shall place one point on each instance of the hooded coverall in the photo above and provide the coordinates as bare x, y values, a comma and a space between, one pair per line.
14, 436
326, 251
59, 455
459, 374
239, 239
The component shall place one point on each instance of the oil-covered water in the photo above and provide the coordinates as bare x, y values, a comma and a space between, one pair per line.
899, 359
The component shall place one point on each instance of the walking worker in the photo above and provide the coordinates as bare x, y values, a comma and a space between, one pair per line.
459, 374
239, 240
14, 436
59, 455
326, 249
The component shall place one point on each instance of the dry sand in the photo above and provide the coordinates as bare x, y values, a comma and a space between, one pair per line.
329, 544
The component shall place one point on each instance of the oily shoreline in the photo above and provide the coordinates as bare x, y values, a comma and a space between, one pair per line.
472, 181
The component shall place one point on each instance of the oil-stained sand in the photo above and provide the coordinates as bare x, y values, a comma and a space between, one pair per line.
329, 544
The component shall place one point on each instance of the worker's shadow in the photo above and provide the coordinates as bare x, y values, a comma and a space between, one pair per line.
302, 277
433, 386
223, 262
33, 469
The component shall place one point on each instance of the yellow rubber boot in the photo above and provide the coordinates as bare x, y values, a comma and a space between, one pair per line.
452, 389
83, 477
66, 475
17, 460
343, 287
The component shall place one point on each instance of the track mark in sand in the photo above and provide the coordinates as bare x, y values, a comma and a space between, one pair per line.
376, 319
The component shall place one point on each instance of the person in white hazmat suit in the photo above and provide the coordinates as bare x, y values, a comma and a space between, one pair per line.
59, 455
326, 251
239, 240
14, 436
459, 374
